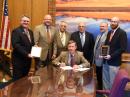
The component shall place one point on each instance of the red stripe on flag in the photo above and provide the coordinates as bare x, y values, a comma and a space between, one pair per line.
7, 36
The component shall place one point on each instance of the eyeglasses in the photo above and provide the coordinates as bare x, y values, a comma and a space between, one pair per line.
81, 26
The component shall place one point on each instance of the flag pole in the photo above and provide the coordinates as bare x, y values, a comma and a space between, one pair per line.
1, 23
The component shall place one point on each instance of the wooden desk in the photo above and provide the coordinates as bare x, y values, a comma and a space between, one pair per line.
24, 87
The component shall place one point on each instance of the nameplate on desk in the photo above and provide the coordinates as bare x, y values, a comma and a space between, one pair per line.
36, 51
35, 79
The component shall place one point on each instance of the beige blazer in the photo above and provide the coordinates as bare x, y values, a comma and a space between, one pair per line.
64, 57
58, 46
41, 39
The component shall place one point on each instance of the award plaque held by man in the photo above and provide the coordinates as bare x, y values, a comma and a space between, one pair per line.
105, 50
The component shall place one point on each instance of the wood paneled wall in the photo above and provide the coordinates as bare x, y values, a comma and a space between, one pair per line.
35, 9
1, 4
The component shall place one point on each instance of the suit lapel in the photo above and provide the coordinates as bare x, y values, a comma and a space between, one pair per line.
67, 38
67, 58
59, 39
24, 35
76, 58
114, 36
97, 40
79, 40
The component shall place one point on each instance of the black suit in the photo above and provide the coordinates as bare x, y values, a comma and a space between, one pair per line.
21, 48
118, 45
87, 49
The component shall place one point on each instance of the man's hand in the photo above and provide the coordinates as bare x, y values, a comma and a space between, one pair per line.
53, 57
76, 67
62, 64
101, 57
30, 56
107, 57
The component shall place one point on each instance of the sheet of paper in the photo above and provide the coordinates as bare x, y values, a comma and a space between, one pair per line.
82, 69
36, 51
66, 68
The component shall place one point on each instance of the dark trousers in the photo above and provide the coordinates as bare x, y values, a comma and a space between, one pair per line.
21, 67
99, 77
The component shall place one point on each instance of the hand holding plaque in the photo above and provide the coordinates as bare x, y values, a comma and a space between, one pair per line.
105, 50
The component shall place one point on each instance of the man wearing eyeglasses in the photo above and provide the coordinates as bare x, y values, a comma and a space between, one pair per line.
61, 39
22, 42
84, 41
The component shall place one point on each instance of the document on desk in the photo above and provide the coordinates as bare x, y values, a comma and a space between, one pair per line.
82, 69
36, 51
66, 68
35, 79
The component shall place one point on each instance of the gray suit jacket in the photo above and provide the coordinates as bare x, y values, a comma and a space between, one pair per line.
58, 46
64, 57
41, 39
97, 49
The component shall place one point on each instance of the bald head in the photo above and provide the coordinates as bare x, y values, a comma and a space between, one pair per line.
47, 20
114, 22
81, 27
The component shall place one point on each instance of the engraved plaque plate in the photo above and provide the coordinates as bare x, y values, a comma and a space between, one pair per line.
105, 50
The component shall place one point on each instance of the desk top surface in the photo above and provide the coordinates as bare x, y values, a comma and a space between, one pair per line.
25, 88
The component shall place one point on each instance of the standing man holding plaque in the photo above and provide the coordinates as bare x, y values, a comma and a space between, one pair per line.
44, 37
100, 41
117, 41
22, 42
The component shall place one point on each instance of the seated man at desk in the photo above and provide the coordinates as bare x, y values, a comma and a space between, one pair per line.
72, 58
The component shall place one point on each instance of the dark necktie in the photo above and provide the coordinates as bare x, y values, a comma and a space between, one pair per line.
72, 60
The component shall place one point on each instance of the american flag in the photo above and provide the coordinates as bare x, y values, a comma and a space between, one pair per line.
5, 40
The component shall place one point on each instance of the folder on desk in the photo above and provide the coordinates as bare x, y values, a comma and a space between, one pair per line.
36, 51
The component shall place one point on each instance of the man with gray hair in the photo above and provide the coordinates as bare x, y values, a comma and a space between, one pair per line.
61, 39
22, 41
100, 40
117, 41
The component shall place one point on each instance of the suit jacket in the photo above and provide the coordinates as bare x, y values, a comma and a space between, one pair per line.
64, 57
118, 45
41, 39
21, 45
58, 46
87, 49
100, 40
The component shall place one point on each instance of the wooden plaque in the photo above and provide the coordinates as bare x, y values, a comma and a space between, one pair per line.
105, 50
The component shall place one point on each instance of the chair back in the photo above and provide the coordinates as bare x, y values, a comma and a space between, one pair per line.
119, 84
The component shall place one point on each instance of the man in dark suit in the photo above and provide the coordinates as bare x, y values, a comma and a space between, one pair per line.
22, 42
117, 41
84, 41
